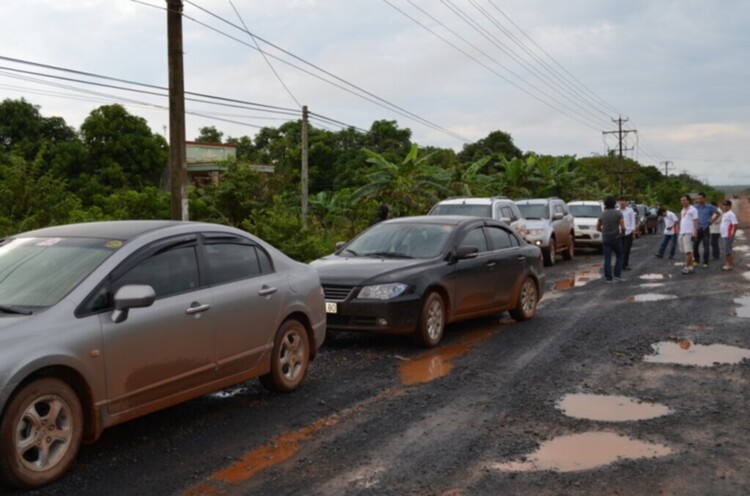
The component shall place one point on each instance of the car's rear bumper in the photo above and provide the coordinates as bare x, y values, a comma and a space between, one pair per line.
397, 316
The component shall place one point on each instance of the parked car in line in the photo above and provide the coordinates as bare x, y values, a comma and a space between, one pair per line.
498, 208
104, 322
586, 214
641, 212
414, 275
652, 219
550, 226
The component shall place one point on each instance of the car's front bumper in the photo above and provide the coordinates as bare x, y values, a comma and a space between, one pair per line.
396, 316
588, 237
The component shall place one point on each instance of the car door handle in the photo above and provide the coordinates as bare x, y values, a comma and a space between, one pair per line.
491, 264
265, 291
196, 308
521, 259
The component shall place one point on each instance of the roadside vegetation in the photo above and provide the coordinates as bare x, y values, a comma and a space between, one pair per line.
114, 167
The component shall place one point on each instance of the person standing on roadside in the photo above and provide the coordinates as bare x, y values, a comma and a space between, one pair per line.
728, 231
688, 232
628, 217
670, 232
715, 230
707, 214
612, 227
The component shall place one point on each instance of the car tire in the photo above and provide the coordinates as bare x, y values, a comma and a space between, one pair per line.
528, 299
40, 433
431, 325
571, 251
549, 253
290, 358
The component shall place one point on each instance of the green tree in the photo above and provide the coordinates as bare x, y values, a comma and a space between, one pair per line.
209, 134
497, 144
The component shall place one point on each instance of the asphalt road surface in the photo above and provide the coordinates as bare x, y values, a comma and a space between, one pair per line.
639, 387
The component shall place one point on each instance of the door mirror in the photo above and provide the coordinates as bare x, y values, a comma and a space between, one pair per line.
465, 252
340, 244
557, 216
131, 296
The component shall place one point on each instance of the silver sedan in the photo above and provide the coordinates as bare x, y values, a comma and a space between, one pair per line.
104, 322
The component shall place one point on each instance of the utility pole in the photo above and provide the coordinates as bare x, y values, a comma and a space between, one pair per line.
668, 164
304, 165
177, 154
621, 134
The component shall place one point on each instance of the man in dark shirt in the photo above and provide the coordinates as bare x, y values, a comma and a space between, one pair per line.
612, 227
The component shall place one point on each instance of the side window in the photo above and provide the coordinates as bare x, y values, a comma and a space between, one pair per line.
168, 272
231, 261
475, 237
507, 214
499, 237
266, 267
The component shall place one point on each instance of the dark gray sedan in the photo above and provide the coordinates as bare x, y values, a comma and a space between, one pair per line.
415, 274
104, 322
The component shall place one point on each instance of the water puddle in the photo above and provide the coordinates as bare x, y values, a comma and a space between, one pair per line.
228, 393
743, 308
439, 362
741, 248
685, 352
585, 451
651, 297
579, 279
746, 275
607, 408
655, 277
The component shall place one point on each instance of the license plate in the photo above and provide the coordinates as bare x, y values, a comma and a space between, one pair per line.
331, 307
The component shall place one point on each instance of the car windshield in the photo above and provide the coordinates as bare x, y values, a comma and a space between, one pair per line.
39, 272
401, 240
593, 211
534, 210
462, 209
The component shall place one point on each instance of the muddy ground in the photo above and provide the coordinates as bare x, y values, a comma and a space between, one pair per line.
611, 389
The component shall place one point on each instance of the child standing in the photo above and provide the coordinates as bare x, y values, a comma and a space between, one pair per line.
728, 231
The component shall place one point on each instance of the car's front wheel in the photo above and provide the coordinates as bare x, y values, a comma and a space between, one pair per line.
40, 433
528, 298
290, 358
431, 323
571, 251
549, 253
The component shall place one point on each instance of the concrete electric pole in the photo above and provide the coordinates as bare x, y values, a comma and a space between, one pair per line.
621, 134
304, 165
177, 154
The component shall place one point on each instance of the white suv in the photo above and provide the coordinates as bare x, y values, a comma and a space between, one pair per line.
498, 208
586, 214
550, 227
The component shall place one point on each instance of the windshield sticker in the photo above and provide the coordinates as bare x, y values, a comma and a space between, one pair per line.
49, 242
115, 243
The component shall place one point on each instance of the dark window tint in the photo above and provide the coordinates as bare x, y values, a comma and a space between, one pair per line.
230, 261
169, 272
499, 237
266, 267
475, 237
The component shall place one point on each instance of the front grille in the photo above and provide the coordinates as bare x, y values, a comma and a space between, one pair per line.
336, 293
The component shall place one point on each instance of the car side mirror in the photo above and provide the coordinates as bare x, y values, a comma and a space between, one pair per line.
557, 216
465, 252
131, 296
340, 244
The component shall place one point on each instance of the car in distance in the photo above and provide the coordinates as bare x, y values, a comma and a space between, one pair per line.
104, 322
585, 215
498, 208
550, 226
414, 275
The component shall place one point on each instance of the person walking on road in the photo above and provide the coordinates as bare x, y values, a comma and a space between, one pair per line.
628, 216
715, 230
670, 232
707, 214
688, 232
728, 231
612, 227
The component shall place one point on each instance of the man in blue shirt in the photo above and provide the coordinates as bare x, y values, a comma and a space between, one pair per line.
707, 214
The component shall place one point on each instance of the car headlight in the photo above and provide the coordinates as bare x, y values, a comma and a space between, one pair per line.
382, 291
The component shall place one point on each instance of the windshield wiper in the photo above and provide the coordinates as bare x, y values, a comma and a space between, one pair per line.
350, 251
389, 254
15, 310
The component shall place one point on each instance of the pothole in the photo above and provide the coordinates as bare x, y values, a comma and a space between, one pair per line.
743, 308
741, 248
579, 279
229, 392
606, 408
746, 275
655, 277
651, 297
651, 285
584, 451
686, 352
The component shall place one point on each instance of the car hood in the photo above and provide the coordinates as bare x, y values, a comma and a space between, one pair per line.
334, 269
537, 223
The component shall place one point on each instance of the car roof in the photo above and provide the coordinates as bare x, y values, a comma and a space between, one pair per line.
436, 219
585, 202
121, 229
473, 201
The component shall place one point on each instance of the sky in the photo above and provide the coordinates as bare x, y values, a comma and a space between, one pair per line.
554, 75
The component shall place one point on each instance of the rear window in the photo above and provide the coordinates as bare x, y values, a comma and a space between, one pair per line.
592, 211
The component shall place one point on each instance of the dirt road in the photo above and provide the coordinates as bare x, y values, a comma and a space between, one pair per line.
639, 387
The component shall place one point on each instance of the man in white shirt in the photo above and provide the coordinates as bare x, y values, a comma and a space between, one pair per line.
670, 232
628, 216
728, 230
688, 232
